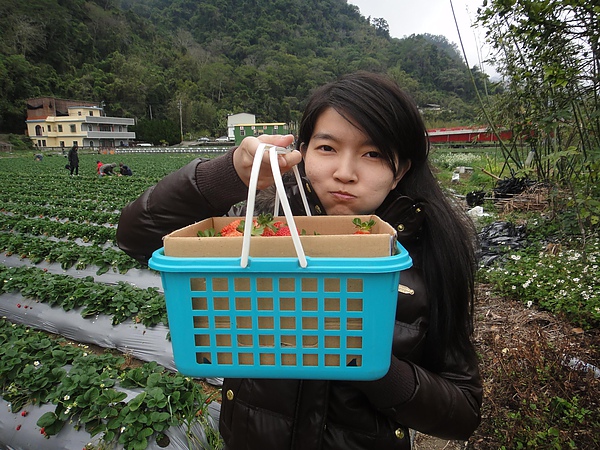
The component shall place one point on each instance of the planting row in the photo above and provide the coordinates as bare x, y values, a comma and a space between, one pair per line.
66, 226
127, 405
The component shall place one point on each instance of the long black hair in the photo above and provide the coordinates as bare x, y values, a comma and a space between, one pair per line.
376, 104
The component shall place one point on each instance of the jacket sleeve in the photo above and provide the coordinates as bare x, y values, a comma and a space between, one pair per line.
201, 189
445, 404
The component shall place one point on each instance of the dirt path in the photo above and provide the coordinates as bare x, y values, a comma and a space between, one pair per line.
509, 335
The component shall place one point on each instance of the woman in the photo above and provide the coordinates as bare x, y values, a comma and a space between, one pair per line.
363, 148
73, 157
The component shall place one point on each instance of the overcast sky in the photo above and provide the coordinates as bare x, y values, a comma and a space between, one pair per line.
406, 17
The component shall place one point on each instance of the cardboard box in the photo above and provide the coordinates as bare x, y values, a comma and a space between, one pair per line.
321, 236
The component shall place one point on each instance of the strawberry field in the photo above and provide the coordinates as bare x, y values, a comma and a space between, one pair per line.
85, 357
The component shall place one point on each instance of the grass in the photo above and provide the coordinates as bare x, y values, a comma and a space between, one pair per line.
538, 309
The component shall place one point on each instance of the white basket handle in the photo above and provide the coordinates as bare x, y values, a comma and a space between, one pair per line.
280, 197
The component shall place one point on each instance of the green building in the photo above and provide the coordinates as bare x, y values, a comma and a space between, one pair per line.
242, 130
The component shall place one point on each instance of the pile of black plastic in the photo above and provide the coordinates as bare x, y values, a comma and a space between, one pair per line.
499, 238
505, 188
509, 187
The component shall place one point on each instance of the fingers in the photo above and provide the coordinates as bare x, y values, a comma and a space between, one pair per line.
243, 158
289, 160
281, 140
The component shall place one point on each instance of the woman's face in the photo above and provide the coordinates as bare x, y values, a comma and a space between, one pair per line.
346, 170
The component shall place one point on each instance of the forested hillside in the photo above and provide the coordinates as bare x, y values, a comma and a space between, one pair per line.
152, 59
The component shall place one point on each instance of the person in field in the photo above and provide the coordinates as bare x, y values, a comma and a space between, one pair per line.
362, 148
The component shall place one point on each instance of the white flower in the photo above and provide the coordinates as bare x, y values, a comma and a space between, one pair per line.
529, 303
66, 397
515, 257
36, 363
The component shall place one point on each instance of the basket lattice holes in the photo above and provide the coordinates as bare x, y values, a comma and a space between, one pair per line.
299, 322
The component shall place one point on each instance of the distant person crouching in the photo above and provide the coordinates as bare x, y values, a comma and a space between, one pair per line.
124, 170
107, 169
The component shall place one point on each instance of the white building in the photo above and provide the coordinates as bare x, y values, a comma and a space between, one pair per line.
238, 119
53, 122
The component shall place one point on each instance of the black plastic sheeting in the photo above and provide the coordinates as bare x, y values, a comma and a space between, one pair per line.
508, 187
498, 238
505, 188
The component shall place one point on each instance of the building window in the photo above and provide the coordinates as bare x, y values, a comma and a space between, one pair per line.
78, 113
91, 113
242, 131
62, 144
60, 128
38, 130
43, 142
276, 127
105, 127
73, 129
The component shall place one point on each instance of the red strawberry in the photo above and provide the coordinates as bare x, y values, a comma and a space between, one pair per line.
363, 227
268, 231
232, 229
283, 231
264, 226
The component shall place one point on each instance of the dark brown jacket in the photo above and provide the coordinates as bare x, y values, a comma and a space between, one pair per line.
312, 414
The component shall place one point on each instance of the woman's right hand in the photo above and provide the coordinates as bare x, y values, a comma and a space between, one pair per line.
243, 157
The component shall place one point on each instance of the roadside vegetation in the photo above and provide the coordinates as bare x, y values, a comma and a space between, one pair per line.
538, 312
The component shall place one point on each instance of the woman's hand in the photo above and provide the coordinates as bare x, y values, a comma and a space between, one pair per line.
243, 157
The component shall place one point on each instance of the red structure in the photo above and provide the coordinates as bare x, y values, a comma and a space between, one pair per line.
465, 135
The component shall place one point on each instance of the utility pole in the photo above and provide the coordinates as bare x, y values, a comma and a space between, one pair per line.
180, 121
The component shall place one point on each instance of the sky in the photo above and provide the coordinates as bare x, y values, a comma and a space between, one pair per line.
406, 17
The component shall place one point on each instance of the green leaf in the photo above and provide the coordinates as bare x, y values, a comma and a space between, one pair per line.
135, 403
47, 419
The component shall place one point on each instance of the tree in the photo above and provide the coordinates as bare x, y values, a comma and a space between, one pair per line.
157, 131
549, 56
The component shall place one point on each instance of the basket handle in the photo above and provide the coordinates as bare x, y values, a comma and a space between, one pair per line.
281, 196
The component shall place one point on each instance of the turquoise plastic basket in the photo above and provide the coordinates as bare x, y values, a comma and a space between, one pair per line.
333, 319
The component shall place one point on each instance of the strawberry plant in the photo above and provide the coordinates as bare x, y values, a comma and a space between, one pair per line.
122, 301
363, 227
87, 390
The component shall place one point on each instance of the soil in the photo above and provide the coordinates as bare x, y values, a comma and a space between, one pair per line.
514, 342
